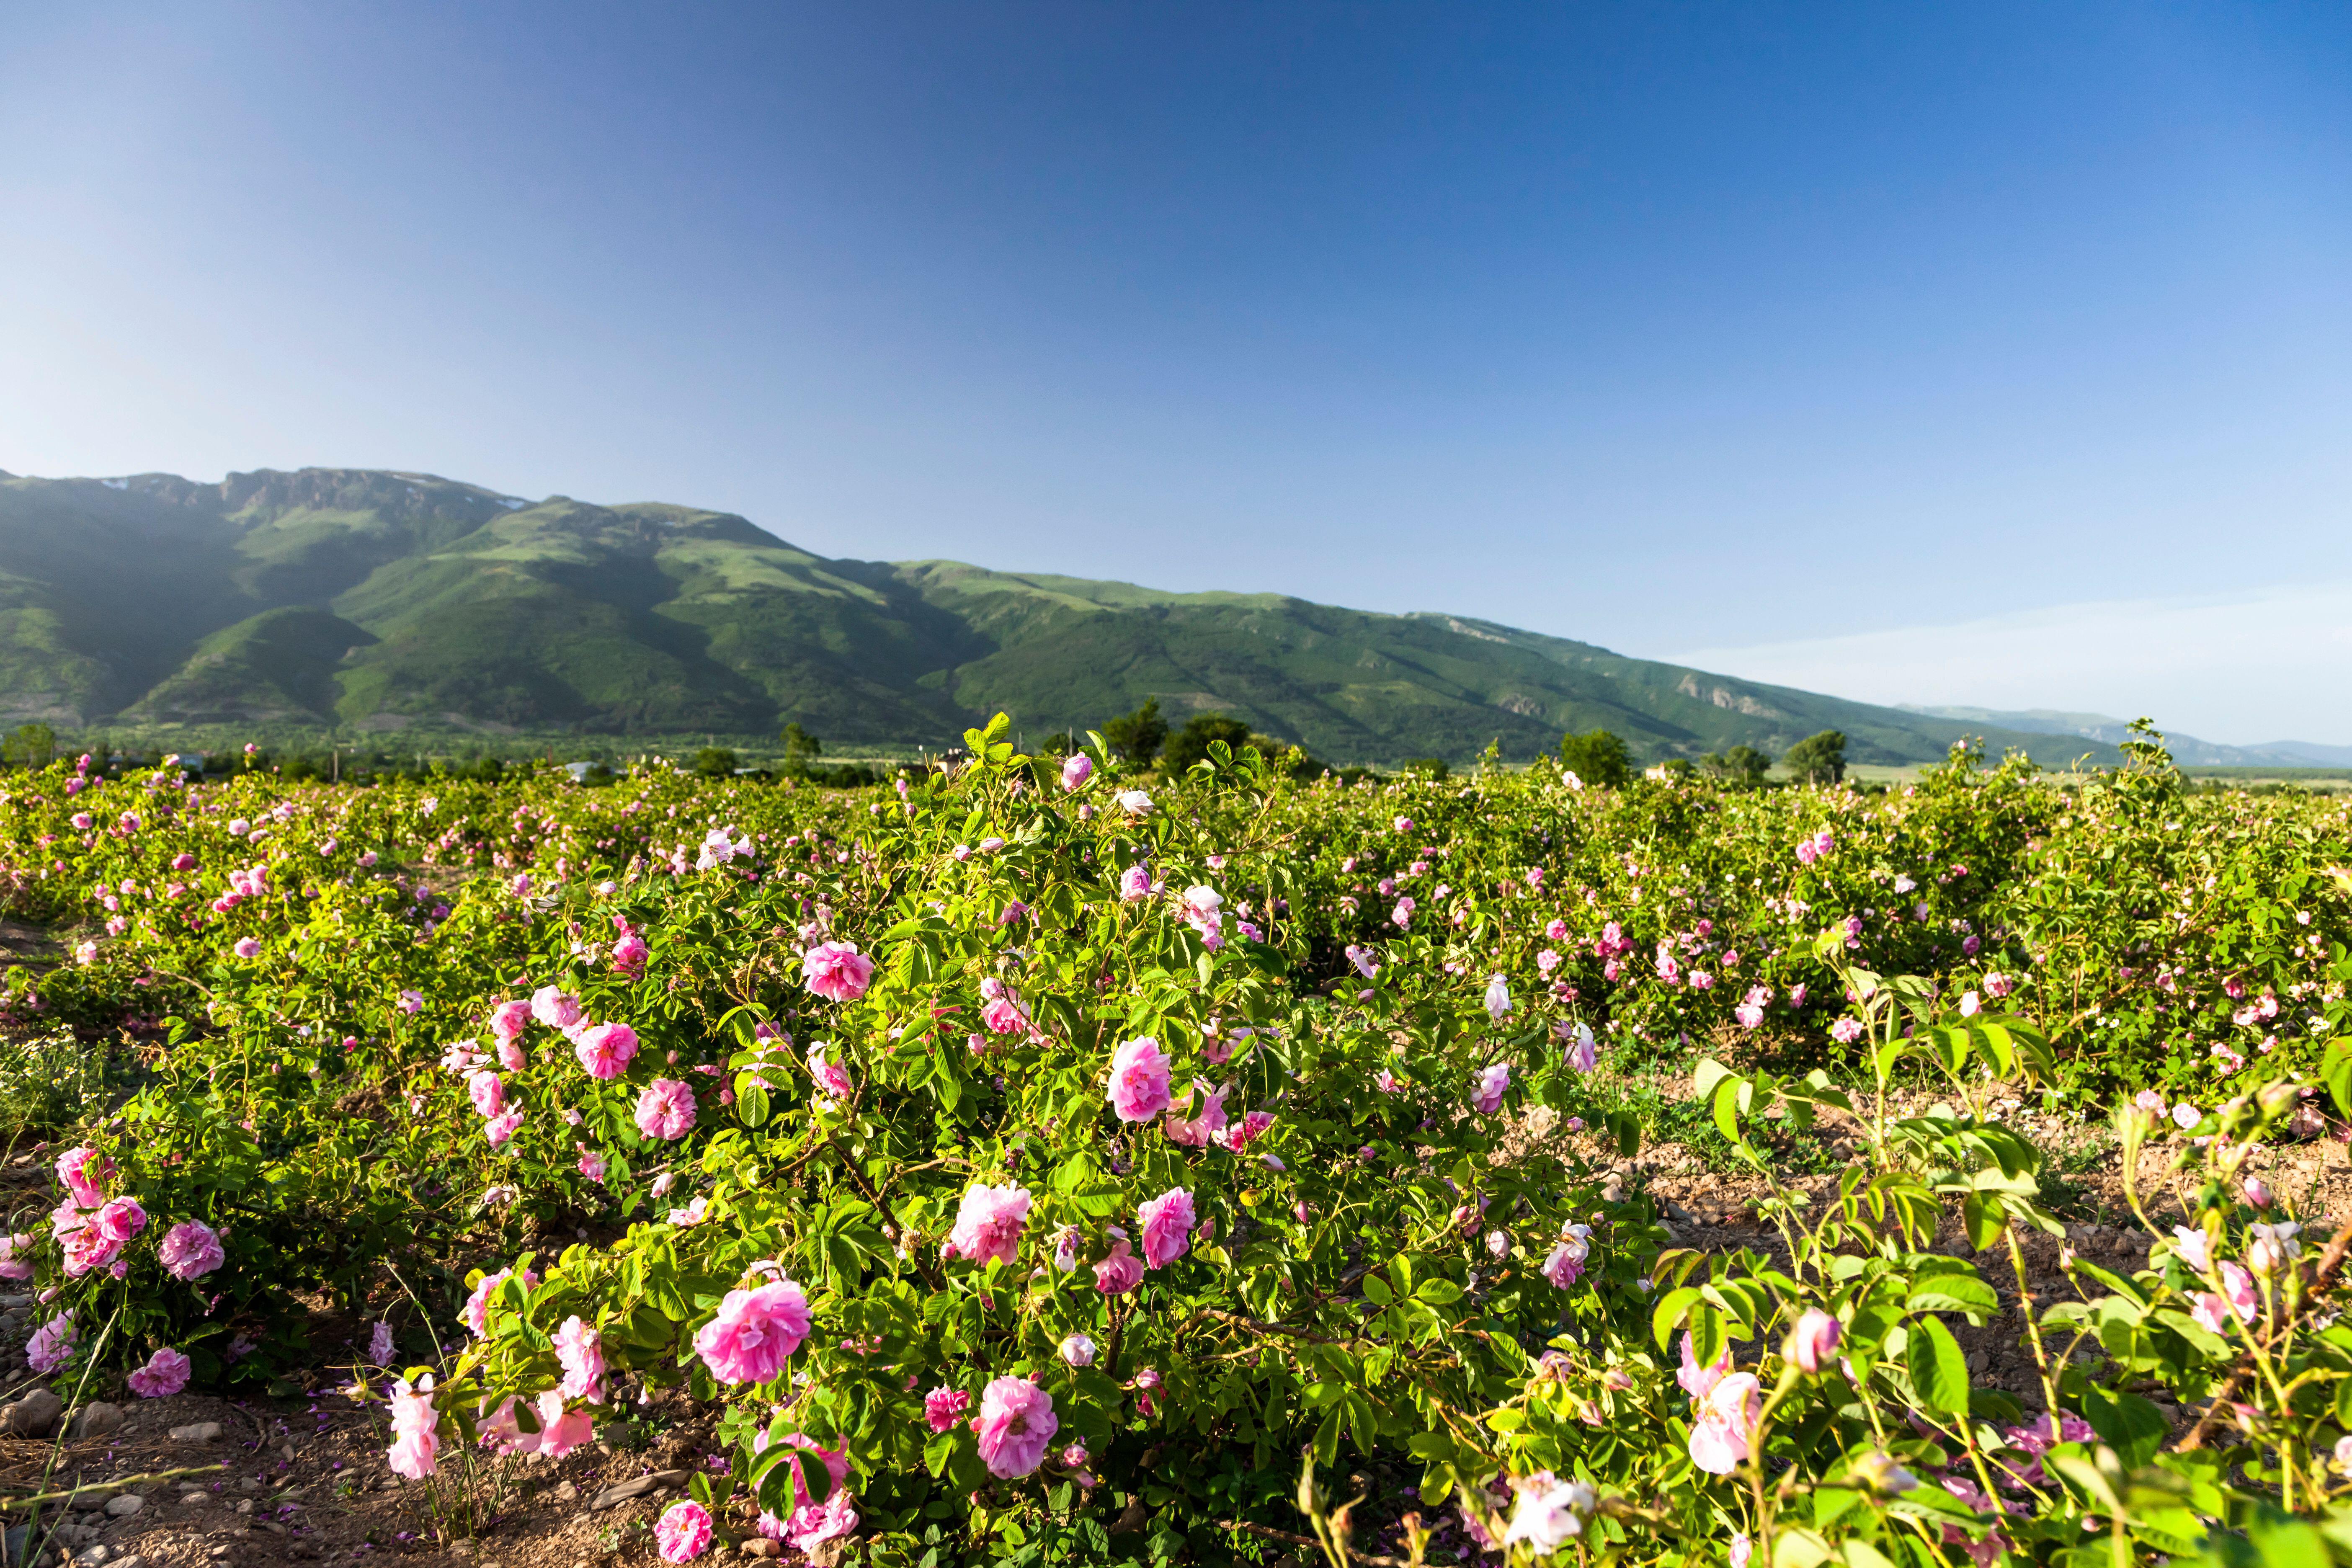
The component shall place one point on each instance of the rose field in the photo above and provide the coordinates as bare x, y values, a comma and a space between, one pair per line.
1030, 1161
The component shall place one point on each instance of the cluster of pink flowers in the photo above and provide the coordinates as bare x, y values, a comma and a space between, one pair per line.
415, 1429
1812, 849
243, 885
1204, 911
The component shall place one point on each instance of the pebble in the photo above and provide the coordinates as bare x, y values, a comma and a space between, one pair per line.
93, 1555
35, 1415
197, 1432
93, 1420
126, 1505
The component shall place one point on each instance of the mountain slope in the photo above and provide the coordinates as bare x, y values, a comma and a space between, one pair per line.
382, 600
2186, 748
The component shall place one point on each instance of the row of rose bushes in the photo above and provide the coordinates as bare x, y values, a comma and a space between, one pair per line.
726, 1071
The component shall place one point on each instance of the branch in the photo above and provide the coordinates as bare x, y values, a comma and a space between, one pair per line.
1270, 1533
2331, 1263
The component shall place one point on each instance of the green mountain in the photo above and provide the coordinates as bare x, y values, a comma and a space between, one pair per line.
381, 600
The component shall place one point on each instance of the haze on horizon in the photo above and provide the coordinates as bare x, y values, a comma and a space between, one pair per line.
1993, 355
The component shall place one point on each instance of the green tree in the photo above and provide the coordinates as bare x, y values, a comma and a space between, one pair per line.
1818, 759
799, 746
1191, 744
29, 746
1138, 736
716, 763
1597, 757
1741, 764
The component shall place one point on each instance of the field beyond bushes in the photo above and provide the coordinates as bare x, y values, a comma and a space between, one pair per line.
1027, 1162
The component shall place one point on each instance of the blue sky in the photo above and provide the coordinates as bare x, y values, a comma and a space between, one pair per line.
2015, 337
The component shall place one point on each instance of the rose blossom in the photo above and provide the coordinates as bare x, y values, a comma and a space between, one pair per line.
1813, 1341
605, 1050
754, 1332
191, 1250
555, 1007
52, 1344
508, 1019
683, 1533
836, 971
165, 1374
1488, 1098
1015, 1424
831, 1077
1077, 768
665, 1108
1122, 1271
1167, 1221
1138, 1081
582, 1355
988, 1225
943, 1407
414, 1439
1727, 1415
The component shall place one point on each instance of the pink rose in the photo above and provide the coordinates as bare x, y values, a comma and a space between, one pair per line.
488, 1092
665, 1108
52, 1344
683, 1533
508, 1019
165, 1374
1077, 768
191, 1250
499, 1129
555, 1007
629, 955
1138, 1081
414, 1437
582, 1355
476, 1312
836, 971
1488, 1098
245, 947
1017, 1424
1726, 1424
81, 1169
1813, 1341
988, 1224
1122, 1271
605, 1050
1167, 1221
831, 1077
754, 1332
943, 1407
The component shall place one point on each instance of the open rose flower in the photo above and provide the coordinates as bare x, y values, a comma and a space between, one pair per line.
1167, 1222
836, 971
1015, 1424
988, 1224
754, 1332
1138, 1081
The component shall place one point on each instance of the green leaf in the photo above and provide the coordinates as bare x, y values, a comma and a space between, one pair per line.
1954, 1293
1939, 1373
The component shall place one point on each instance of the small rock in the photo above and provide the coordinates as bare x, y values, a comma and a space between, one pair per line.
194, 1499
93, 1555
566, 1492
287, 1453
614, 1496
35, 1415
197, 1432
132, 1561
244, 1505
760, 1546
89, 1500
94, 1420
126, 1505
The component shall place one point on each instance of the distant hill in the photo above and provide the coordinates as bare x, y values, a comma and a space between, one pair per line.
2186, 748
383, 601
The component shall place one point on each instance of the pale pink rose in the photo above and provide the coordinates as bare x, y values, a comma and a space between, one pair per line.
81, 1169
836, 971
1814, 1340
488, 1092
559, 1430
1017, 1424
580, 1353
1846, 1031
1138, 1081
665, 1108
1195, 1132
499, 1129
52, 1344
831, 1077
475, 1314
415, 1434
1077, 768
629, 954
1167, 1222
13, 1265
1487, 1097
1135, 884
2211, 1311
1565, 1265
754, 1332
605, 1050
683, 1533
1122, 1271
191, 1250
165, 1374
555, 1007
1696, 1379
508, 1019
943, 1407
245, 947
1726, 1424
988, 1224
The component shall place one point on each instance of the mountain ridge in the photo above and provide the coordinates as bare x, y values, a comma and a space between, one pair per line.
382, 599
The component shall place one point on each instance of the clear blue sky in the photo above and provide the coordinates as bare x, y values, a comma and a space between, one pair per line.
1673, 329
